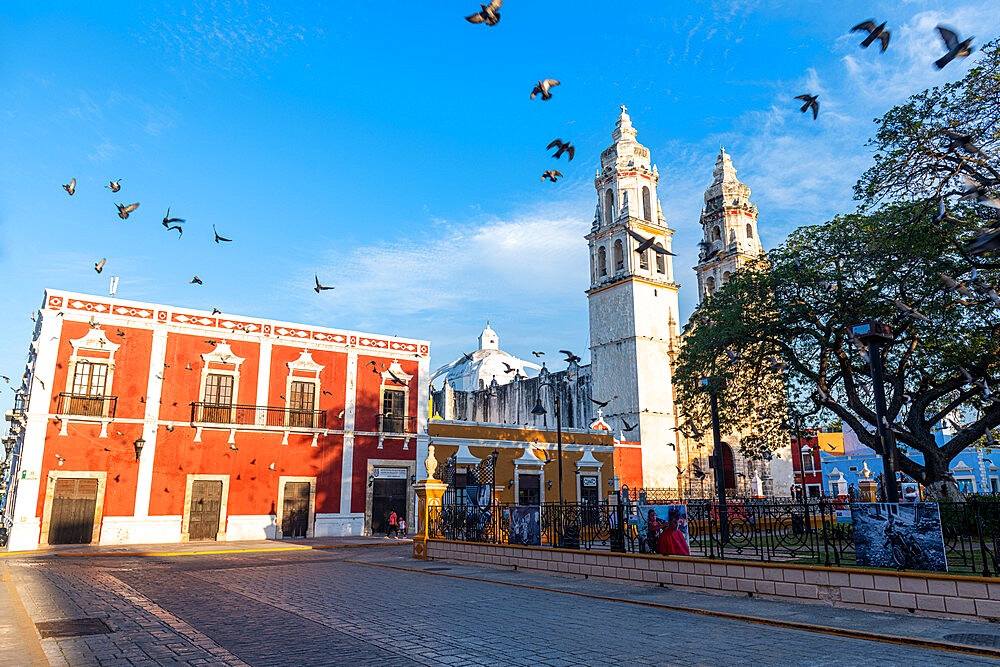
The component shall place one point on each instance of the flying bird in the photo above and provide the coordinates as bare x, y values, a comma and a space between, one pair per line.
508, 368
169, 428
570, 357
271, 467
602, 404
70, 187
563, 147
645, 243
99, 266
976, 190
114, 186
775, 364
234, 447
124, 210
956, 286
811, 101
490, 14
733, 357
542, 88
955, 48
537, 354
628, 428
210, 342
219, 238
963, 141
395, 378
943, 216
987, 240
909, 311
552, 175
120, 333
167, 220
180, 230
216, 311
874, 32
195, 281
319, 288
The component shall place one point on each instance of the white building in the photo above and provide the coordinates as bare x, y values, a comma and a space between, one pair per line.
481, 368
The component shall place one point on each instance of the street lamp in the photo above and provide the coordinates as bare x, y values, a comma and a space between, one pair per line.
138, 444
540, 410
875, 335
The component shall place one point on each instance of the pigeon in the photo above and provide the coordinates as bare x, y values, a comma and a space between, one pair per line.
70, 187
195, 281
977, 191
234, 447
219, 238
319, 288
698, 472
811, 101
776, 365
909, 311
943, 216
570, 357
963, 141
210, 342
542, 88
823, 396
99, 266
216, 311
508, 368
602, 404
955, 48
563, 147
489, 15
626, 426
119, 333
169, 428
862, 349
695, 431
874, 32
537, 354
180, 230
114, 186
124, 210
167, 220
956, 286
986, 241
645, 243
552, 175
733, 357
271, 467
188, 367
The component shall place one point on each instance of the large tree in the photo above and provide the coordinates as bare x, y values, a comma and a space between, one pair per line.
935, 158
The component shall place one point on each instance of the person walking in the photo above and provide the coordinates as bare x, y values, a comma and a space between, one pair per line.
393, 526
402, 527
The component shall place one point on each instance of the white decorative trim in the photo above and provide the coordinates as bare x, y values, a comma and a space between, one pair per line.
222, 354
588, 461
280, 508
305, 362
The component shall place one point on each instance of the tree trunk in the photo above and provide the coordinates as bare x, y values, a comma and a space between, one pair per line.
943, 490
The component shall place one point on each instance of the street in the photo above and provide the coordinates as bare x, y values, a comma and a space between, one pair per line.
373, 604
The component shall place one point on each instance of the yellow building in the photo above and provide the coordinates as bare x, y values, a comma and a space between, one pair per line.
527, 468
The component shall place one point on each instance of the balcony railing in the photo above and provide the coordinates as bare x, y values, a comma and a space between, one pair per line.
87, 405
401, 425
257, 415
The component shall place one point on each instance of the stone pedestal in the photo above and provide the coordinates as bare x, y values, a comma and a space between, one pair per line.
867, 488
429, 493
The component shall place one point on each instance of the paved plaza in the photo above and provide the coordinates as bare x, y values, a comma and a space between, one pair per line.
372, 604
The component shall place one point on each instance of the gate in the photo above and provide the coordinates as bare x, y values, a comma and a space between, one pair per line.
71, 518
206, 506
295, 509
387, 495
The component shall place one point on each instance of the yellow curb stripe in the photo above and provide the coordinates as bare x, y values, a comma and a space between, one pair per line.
36, 656
128, 554
935, 644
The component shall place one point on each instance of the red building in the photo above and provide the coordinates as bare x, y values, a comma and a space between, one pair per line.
806, 466
149, 423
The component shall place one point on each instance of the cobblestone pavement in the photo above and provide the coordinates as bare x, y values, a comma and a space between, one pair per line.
339, 607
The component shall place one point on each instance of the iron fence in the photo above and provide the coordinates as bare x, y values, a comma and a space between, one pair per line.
260, 415
804, 532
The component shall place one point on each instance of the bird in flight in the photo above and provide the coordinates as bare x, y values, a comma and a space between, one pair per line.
570, 357
167, 220
955, 48
909, 311
219, 238
395, 378
508, 368
956, 286
319, 288
645, 243
119, 333
563, 147
552, 175
602, 404
124, 210
542, 88
216, 311
963, 141
490, 14
628, 428
811, 101
976, 190
874, 32
114, 186
195, 281
537, 354
99, 266
70, 187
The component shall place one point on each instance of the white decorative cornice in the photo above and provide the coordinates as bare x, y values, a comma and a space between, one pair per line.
305, 363
395, 370
222, 354
528, 459
588, 461
94, 340
464, 457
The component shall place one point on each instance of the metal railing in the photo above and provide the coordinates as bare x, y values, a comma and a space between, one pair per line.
257, 415
815, 532
86, 405
402, 425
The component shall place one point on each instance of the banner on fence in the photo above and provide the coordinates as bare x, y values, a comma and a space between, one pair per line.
478, 495
899, 535
663, 529
525, 526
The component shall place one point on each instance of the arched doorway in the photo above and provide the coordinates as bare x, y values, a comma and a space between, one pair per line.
728, 468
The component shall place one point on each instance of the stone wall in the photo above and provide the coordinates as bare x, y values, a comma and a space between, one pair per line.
942, 595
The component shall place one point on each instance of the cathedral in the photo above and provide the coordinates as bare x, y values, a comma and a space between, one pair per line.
635, 332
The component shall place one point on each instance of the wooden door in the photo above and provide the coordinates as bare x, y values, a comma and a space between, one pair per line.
295, 509
71, 518
387, 495
206, 507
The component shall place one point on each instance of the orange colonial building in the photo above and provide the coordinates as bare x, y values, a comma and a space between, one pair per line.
150, 423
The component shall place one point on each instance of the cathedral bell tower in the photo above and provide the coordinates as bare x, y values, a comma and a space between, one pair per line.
729, 225
633, 305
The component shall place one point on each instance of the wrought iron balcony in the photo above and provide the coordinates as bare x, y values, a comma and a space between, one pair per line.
87, 405
400, 425
257, 415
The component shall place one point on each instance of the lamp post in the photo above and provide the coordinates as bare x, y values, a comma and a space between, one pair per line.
719, 460
875, 335
540, 410
138, 444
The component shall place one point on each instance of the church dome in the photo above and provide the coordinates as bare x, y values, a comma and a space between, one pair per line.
479, 369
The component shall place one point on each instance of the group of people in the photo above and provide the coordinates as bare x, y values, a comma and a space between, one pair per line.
668, 537
397, 526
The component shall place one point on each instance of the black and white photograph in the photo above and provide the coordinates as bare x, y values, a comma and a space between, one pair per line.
525, 526
899, 535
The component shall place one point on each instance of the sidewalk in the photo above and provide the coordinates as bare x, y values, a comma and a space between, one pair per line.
203, 548
19, 644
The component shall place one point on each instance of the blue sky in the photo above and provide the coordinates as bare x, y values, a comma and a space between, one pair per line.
393, 150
